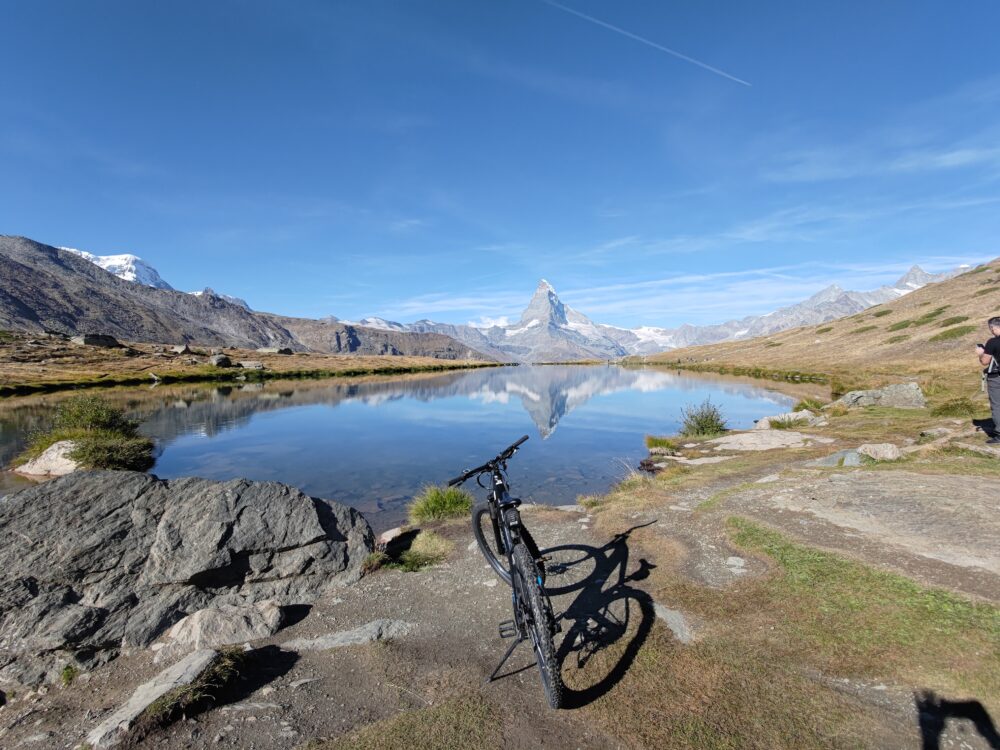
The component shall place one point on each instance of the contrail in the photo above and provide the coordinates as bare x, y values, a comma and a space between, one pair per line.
645, 41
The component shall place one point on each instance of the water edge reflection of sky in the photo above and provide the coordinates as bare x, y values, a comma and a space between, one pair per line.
373, 445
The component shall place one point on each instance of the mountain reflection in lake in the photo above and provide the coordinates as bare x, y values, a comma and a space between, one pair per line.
374, 444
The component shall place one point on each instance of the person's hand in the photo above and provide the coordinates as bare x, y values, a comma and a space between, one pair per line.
980, 349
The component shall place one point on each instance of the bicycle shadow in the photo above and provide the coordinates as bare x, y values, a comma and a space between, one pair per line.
934, 713
604, 612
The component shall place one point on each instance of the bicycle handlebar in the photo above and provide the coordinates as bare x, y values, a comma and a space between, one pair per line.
502, 456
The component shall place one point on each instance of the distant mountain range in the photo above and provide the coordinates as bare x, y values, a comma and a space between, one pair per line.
47, 289
550, 331
547, 331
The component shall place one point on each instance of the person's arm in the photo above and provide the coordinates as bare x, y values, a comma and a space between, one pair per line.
985, 356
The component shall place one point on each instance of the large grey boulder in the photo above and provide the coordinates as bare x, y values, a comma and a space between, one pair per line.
898, 396
95, 562
220, 360
96, 339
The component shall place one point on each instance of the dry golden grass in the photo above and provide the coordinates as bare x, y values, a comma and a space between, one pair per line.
862, 350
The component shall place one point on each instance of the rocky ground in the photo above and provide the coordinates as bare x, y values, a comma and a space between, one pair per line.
636, 578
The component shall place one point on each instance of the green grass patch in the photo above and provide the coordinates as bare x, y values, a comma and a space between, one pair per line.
704, 419
786, 423
981, 292
953, 321
104, 437
440, 503
662, 442
977, 270
863, 621
461, 723
863, 329
824, 329
898, 339
881, 313
772, 344
959, 407
953, 333
68, 674
900, 325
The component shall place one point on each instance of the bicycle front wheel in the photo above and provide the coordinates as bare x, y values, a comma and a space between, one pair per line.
540, 623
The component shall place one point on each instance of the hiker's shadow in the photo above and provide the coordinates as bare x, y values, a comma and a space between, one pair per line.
933, 714
606, 621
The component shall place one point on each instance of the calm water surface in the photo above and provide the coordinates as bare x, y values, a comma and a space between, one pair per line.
374, 444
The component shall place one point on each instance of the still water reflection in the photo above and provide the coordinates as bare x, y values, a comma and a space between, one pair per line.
373, 444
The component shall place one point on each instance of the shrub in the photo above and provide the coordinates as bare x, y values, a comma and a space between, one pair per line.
959, 407
863, 329
897, 339
824, 329
881, 313
953, 333
113, 451
92, 413
704, 419
953, 321
439, 503
68, 674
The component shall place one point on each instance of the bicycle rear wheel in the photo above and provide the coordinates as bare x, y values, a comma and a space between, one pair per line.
540, 623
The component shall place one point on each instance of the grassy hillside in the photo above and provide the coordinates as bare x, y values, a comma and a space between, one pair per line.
928, 334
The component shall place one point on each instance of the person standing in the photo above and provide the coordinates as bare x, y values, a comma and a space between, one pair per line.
989, 357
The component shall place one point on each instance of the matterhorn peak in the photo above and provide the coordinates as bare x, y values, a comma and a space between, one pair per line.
545, 306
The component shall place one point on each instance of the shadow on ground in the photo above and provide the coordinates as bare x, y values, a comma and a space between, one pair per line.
606, 613
933, 714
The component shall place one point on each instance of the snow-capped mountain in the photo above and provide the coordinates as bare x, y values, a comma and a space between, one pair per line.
550, 331
125, 266
232, 300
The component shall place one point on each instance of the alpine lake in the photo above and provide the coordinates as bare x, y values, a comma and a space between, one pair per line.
374, 442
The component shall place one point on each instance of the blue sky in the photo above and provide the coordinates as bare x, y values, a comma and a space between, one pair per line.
435, 159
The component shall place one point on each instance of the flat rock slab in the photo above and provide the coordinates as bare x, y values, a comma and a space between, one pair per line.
840, 458
941, 517
114, 729
376, 630
765, 440
696, 461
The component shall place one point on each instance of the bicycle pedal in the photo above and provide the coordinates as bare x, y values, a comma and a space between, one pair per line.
507, 629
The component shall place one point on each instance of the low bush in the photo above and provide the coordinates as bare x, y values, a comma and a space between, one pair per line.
704, 419
99, 450
68, 674
958, 407
984, 291
92, 413
426, 549
440, 503
770, 344
953, 333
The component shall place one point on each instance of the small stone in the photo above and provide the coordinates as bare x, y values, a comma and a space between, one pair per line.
735, 562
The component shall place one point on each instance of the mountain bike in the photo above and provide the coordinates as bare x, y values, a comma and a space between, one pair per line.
514, 556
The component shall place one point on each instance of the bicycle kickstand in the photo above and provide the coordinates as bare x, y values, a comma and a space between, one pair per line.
506, 656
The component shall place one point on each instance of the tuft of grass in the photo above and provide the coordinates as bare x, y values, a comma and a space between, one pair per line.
201, 692
771, 344
662, 442
786, 423
953, 321
953, 333
981, 292
68, 674
92, 413
374, 560
881, 313
461, 723
897, 339
113, 451
900, 325
440, 503
702, 420
959, 407
807, 404
427, 548
824, 329
863, 329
